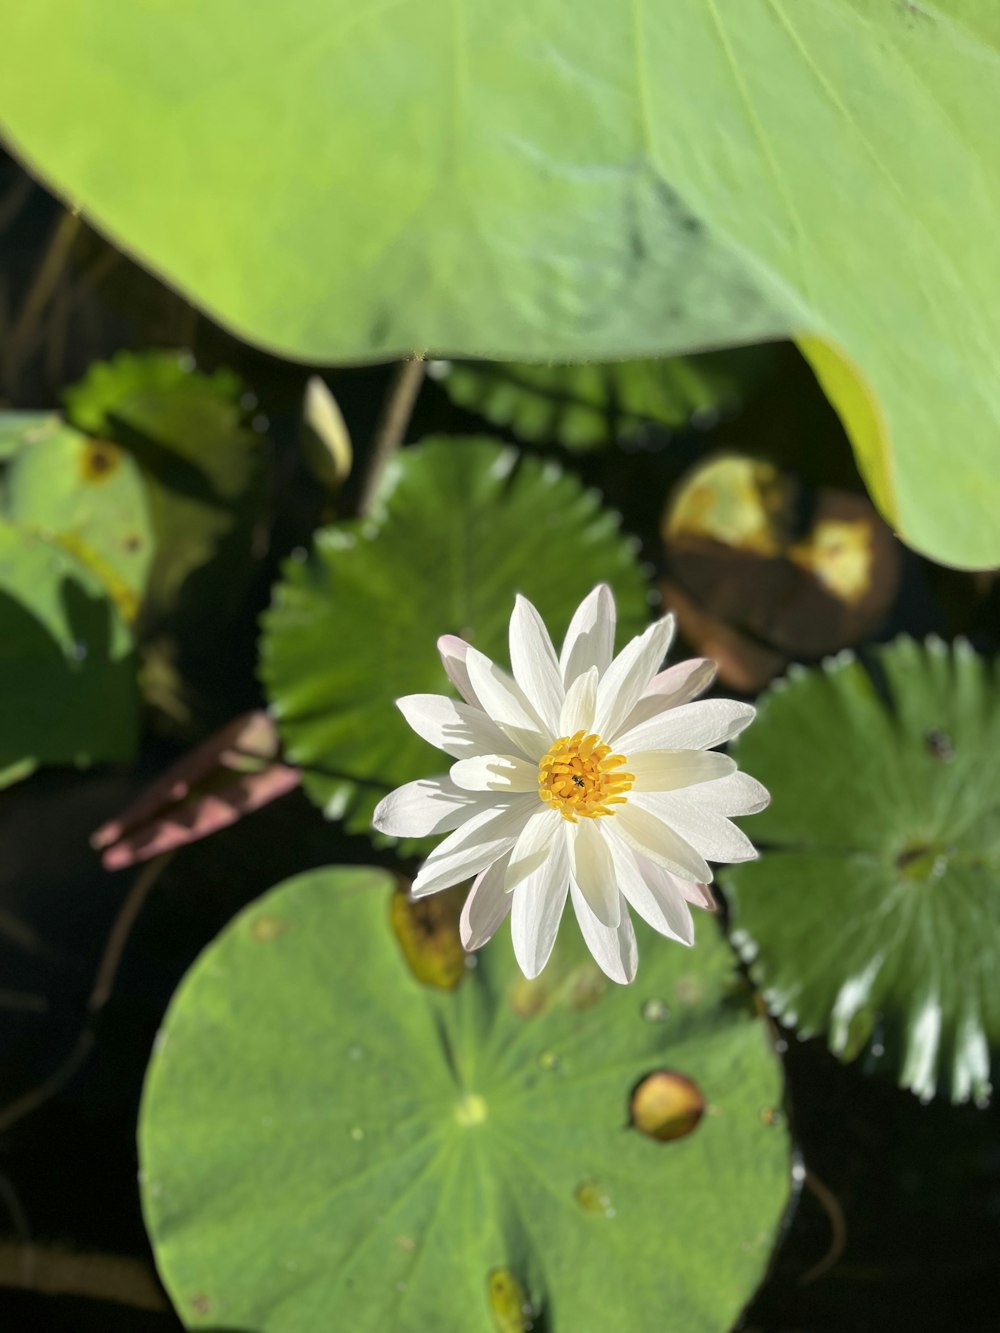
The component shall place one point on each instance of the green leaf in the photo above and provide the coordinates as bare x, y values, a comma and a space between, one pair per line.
875, 916
88, 496
567, 183
203, 468
586, 406
325, 1143
67, 678
462, 526
20, 428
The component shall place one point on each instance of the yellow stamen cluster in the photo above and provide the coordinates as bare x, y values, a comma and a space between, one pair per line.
578, 777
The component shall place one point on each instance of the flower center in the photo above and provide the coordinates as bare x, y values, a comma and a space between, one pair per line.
580, 776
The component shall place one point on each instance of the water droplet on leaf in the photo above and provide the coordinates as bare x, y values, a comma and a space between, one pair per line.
593, 1197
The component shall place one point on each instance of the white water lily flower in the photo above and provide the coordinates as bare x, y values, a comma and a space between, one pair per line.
586, 776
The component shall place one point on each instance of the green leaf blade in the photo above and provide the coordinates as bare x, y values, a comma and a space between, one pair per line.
874, 916
407, 1143
680, 175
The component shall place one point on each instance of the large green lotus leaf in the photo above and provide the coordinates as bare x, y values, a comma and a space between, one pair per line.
88, 496
339, 179
326, 1143
462, 526
591, 404
204, 470
67, 679
874, 917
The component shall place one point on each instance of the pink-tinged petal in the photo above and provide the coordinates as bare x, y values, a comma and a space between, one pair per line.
486, 908
697, 726
738, 794
699, 895
648, 835
538, 903
677, 685
533, 661
453, 651
666, 770
658, 896
534, 845
504, 701
593, 870
711, 835
628, 676
495, 772
581, 700
614, 948
590, 639
429, 805
474, 845
459, 729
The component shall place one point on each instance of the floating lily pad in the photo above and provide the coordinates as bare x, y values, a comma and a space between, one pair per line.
89, 497
874, 917
67, 677
20, 428
462, 525
326, 1143
591, 404
204, 469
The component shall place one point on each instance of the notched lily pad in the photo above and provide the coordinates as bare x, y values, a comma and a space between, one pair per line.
589, 405
411, 1159
67, 674
461, 526
88, 496
874, 916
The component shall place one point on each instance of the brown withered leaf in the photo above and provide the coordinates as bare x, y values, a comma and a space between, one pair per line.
761, 570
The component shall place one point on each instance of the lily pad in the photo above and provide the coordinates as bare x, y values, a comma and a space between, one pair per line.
462, 525
874, 917
89, 497
67, 676
567, 182
589, 405
204, 469
326, 1143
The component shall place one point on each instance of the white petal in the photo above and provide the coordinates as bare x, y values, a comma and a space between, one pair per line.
593, 870
453, 651
496, 772
537, 909
486, 907
614, 948
534, 844
429, 805
664, 770
677, 685
578, 710
697, 726
504, 701
590, 639
739, 794
658, 896
712, 835
533, 661
474, 845
458, 729
628, 676
651, 837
